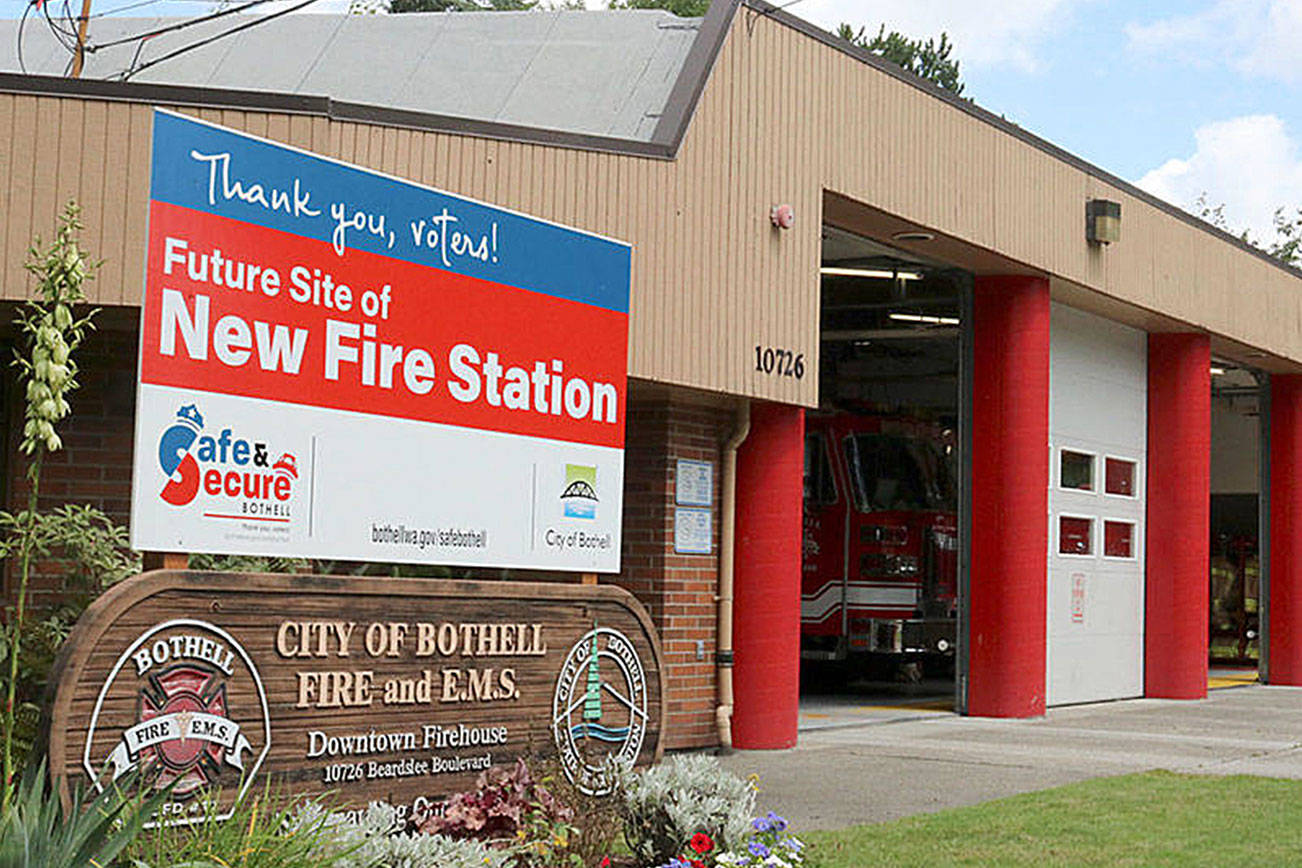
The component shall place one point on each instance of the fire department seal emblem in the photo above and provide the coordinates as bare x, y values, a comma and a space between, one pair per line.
201, 715
599, 713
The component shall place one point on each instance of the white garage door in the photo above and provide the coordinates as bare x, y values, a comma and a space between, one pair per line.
1098, 426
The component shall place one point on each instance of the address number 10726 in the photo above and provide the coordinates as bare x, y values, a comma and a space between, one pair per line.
777, 362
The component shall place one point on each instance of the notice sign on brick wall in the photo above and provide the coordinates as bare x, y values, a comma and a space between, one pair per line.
340, 364
401, 690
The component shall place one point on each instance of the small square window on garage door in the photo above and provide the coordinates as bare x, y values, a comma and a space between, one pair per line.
1075, 535
1119, 476
1075, 470
1119, 539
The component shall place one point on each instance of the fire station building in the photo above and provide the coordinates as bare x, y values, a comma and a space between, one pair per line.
907, 383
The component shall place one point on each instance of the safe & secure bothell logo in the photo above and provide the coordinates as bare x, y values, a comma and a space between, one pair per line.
599, 709
234, 471
188, 681
579, 499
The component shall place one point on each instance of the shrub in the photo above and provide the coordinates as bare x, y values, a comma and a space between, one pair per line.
376, 840
263, 832
600, 818
667, 804
771, 846
505, 800
89, 553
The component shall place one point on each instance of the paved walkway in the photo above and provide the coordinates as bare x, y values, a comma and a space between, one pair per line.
896, 762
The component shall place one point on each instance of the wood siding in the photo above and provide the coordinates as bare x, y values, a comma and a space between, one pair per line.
783, 118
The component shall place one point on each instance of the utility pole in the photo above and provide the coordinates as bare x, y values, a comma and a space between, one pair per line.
79, 59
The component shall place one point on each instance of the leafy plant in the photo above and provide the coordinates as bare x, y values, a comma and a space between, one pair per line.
596, 832
771, 846
498, 808
247, 564
929, 60
36, 833
48, 373
89, 553
667, 804
376, 839
265, 831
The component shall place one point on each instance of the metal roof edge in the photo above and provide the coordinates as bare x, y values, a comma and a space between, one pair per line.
322, 106
777, 13
694, 74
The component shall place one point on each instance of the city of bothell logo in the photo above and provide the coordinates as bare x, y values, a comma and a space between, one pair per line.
599, 709
579, 499
225, 467
183, 675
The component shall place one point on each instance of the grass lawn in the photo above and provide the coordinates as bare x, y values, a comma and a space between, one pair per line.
1154, 818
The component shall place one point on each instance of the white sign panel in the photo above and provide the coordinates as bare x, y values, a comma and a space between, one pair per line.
693, 533
693, 483
338, 364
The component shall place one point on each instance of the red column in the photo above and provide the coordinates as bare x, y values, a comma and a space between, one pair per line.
766, 593
1285, 664
1179, 486
1010, 478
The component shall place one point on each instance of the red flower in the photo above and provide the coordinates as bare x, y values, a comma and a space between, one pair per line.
696, 863
605, 862
701, 843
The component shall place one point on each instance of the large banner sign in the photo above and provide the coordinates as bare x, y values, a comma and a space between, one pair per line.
401, 690
339, 364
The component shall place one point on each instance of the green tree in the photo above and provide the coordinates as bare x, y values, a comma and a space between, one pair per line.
930, 59
681, 8
398, 6
1286, 245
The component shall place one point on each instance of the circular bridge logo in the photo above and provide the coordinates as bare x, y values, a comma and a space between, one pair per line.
599, 712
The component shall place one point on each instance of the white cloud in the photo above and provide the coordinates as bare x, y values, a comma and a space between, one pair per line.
1249, 163
986, 33
1256, 37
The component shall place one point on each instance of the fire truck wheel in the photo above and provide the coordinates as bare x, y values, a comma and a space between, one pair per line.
909, 673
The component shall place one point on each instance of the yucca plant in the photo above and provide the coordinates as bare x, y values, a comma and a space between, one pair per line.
47, 371
35, 832
264, 831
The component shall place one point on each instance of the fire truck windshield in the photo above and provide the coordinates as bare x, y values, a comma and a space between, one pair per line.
890, 472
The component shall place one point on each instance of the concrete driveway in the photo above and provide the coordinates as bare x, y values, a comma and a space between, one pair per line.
887, 766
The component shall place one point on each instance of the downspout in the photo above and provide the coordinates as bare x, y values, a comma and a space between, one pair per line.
727, 561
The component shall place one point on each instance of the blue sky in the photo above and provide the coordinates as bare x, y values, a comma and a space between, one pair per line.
1179, 97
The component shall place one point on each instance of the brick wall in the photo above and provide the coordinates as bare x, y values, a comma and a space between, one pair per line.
663, 426
678, 590
94, 467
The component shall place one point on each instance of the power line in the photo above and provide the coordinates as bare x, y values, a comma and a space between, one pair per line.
181, 25
125, 8
126, 74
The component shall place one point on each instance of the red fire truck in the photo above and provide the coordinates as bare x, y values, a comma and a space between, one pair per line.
880, 564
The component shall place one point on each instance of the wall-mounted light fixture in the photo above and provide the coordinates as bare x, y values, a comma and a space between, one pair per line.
1102, 221
782, 216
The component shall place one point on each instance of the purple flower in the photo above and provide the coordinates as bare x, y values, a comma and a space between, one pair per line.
758, 849
778, 824
761, 824
792, 844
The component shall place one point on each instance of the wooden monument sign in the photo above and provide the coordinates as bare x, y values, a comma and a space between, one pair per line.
401, 690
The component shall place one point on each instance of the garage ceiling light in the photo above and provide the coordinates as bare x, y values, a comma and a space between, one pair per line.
1216, 372
925, 319
884, 273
